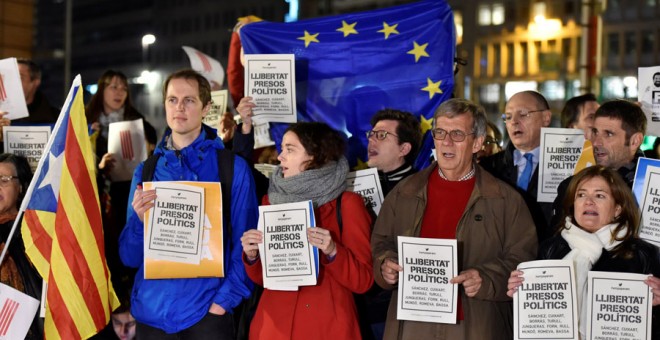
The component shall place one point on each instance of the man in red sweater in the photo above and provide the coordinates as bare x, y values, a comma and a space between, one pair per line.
457, 199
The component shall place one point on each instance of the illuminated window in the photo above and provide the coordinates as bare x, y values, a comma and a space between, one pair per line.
484, 15
498, 14
491, 14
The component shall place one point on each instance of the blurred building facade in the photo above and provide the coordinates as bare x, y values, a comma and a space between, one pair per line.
504, 47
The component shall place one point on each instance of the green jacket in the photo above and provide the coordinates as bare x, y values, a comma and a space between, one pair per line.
495, 233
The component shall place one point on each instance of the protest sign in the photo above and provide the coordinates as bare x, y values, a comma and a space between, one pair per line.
12, 99
287, 259
174, 227
425, 293
270, 81
646, 188
262, 135
648, 94
127, 143
17, 311
211, 257
208, 67
560, 151
27, 141
544, 306
366, 184
619, 306
218, 108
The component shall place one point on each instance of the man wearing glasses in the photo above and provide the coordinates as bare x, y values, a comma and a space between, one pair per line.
394, 141
456, 199
525, 114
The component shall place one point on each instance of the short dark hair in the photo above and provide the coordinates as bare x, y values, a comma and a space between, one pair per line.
408, 129
629, 218
189, 74
23, 172
320, 141
571, 112
633, 119
35, 70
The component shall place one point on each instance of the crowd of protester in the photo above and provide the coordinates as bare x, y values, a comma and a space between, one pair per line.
479, 191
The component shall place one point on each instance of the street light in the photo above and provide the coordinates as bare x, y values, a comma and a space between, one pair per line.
147, 40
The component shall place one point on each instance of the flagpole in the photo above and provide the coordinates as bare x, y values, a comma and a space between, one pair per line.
11, 235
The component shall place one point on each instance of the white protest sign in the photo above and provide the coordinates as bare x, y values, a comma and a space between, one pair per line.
650, 205
648, 83
425, 293
366, 184
12, 99
127, 143
287, 259
175, 226
27, 141
544, 306
208, 67
262, 135
560, 152
619, 306
270, 79
17, 311
218, 108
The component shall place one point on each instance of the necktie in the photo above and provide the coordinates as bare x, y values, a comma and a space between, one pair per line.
523, 181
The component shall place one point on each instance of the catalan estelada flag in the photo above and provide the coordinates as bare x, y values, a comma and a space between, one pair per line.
62, 229
349, 66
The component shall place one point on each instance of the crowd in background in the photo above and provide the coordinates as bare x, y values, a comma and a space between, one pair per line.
483, 193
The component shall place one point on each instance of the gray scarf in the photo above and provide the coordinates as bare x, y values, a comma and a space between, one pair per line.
319, 185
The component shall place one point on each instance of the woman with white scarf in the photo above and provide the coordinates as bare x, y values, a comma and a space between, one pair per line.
313, 167
600, 234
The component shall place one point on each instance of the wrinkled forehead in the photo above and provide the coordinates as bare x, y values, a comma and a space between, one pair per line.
608, 123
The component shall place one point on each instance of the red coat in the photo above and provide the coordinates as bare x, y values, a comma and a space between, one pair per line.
327, 310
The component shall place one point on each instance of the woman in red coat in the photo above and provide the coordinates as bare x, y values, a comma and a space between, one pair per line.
312, 167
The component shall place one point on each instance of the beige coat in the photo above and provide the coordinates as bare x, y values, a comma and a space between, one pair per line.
495, 233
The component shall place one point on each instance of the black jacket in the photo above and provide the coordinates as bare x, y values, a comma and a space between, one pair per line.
501, 166
31, 279
644, 261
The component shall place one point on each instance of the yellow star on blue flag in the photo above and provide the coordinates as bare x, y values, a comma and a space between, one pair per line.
432, 87
347, 28
425, 124
419, 51
387, 30
309, 38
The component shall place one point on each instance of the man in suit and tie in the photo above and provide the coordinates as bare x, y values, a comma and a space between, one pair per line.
525, 114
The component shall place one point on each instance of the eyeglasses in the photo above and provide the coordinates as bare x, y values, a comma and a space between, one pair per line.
523, 115
454, 135
380, 134
4, 180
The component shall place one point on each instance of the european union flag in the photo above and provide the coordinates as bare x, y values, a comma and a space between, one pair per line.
350, 66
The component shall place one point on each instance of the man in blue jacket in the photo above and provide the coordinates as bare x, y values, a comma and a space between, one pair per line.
195, 308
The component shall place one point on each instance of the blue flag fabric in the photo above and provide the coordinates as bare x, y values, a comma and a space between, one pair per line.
350, 66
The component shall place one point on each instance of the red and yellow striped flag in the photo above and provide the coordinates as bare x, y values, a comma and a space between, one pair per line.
63, 232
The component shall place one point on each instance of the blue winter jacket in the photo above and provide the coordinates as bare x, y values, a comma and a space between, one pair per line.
177, 304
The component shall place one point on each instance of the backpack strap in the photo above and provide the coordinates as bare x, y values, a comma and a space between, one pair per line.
149, 168
226, 171
338, 210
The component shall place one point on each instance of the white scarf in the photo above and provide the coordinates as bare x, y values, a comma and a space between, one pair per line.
586, 249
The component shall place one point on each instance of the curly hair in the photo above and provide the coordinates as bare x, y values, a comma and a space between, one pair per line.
320, 141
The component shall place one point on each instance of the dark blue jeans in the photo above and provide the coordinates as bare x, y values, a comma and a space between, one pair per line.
216, 327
